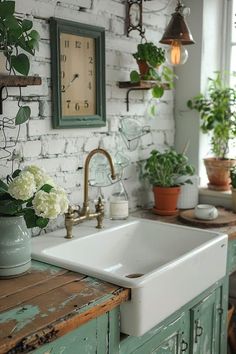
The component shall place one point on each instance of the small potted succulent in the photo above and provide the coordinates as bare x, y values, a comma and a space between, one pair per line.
218, 118
163, 171
149, 58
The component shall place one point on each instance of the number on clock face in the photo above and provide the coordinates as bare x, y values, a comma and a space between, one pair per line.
78, 81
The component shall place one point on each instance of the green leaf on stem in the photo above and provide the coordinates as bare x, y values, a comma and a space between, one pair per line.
16, 173
10, 207
20, 63
3, 187
46, 188
42, 222
7, 8
26, 25
22, 115
30, 218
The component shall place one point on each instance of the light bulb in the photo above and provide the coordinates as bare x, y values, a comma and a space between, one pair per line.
176, 54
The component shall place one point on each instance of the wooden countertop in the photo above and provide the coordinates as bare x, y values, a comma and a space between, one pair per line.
47, 303
148, 214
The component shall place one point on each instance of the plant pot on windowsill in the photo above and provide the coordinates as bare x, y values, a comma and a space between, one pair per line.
218, 173
218, 118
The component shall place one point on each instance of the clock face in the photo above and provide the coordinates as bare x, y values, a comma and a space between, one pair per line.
78, 75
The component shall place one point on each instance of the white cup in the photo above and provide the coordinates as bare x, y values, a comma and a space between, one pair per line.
205, 212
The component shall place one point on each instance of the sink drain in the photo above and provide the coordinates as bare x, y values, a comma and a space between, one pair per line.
134, 275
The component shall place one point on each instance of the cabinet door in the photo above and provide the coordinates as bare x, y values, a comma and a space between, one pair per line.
169, 341
205, 320
91, 338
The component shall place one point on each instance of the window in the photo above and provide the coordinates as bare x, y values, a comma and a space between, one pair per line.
230, 54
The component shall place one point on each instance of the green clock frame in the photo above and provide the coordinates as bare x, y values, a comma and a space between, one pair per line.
57, 27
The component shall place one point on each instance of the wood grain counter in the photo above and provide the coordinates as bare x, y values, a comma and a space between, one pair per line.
148, 214
48, 302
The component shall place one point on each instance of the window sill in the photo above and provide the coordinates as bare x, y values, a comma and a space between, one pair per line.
207, 196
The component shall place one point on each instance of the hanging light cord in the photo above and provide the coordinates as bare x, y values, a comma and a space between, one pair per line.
159, 10
179, 8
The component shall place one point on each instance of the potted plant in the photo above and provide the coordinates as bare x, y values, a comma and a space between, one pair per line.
163, 171
28, 199
218, 117
233, 187
17, 37
149, 58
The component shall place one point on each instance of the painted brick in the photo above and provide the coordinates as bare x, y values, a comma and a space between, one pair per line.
31, 148
62, 151
53, 146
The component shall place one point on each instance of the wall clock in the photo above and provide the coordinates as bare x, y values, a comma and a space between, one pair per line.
78, 74
134, 16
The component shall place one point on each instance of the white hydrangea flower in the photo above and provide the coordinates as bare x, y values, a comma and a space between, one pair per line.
23, 186
40, 176
63, 200
50, 205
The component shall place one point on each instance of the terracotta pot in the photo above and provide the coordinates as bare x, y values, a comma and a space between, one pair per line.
143, 67
166, 200
218, 173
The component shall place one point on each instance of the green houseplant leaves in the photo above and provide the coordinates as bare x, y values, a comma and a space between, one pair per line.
217, 113
164, 169
16, 37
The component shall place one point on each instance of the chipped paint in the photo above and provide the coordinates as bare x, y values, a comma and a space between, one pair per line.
70, 298
21, 315
42, 267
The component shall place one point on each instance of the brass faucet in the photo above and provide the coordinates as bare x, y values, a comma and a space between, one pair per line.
73, 216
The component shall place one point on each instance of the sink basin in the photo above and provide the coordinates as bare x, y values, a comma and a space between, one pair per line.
165, 265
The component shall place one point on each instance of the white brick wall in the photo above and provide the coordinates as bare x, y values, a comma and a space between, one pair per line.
62, 152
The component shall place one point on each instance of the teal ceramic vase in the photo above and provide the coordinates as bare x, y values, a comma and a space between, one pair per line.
15, 246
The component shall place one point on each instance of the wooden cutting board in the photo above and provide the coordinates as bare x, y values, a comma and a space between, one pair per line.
224, 218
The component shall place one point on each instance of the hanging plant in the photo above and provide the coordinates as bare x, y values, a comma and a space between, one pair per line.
17, 37
149, 58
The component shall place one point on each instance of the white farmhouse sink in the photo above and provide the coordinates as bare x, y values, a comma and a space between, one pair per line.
165, 265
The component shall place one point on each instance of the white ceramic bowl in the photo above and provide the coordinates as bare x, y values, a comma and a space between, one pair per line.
205, 212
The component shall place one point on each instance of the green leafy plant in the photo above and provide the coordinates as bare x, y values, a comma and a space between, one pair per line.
164, 169
233, 176
17, 37
150, 53
153, 57
217, 113
32, 193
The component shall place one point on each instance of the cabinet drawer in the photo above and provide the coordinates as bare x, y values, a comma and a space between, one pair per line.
232, 256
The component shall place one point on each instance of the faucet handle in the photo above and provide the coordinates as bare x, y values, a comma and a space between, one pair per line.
100, 211
72, 209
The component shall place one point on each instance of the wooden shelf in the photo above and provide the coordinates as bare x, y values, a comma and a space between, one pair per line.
141, 85
138, 86
17, 81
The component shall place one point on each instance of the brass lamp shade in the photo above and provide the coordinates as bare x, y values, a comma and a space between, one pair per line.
178, 30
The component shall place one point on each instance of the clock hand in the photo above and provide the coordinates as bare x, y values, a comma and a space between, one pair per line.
76, 76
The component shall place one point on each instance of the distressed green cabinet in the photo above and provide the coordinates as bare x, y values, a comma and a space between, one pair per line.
205, 324
99, 336
169, 341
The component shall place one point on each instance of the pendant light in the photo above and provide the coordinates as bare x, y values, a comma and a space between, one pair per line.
176, 35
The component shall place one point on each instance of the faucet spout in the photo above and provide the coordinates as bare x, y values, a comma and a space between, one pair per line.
85, 209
